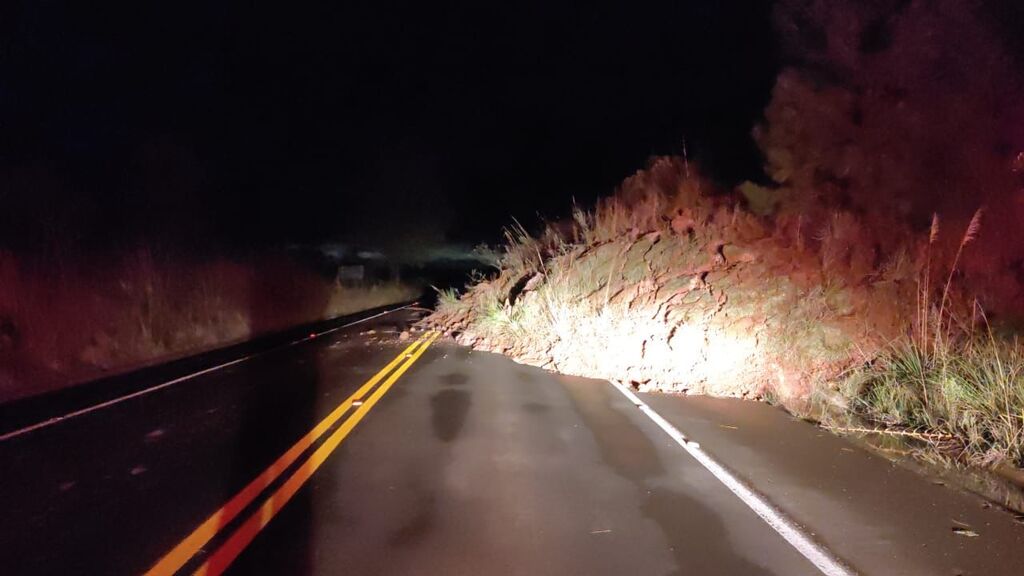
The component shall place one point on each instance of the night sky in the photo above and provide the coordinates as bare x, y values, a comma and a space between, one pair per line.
214, 124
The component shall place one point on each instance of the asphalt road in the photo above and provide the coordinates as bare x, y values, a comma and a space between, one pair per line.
355, 453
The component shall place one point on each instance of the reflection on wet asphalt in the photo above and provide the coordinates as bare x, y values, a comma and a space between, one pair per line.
630, 452
448, 409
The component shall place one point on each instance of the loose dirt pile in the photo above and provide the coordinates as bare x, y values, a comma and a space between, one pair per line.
674, 286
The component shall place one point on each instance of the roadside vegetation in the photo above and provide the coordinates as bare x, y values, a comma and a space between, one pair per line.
952, 384
64, 322
964, 399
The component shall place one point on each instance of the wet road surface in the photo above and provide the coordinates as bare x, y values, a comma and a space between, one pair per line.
463, 463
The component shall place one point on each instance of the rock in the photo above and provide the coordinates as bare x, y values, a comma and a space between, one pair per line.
683, 223
533, 282
405, 335
734, 254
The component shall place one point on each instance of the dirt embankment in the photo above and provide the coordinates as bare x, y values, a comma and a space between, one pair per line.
674, 286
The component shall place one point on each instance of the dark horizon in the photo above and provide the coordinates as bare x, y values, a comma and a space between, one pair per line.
195, 124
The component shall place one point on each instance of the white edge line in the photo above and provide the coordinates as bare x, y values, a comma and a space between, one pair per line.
136, 394
821, 557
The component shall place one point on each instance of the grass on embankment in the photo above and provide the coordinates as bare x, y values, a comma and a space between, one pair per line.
953, 385
964, 399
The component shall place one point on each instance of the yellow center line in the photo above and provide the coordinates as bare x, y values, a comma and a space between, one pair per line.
219, 561
187, 548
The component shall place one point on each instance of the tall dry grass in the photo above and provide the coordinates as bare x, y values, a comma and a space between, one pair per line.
953, 383
62, 324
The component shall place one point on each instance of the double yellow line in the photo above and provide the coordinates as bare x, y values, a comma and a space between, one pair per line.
220, 559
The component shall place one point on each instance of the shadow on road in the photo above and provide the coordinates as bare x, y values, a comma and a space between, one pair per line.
274, 414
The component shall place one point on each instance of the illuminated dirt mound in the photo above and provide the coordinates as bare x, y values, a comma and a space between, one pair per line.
672, 288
